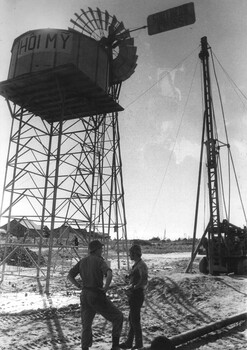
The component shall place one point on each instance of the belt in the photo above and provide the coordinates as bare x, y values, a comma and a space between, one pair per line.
92, 289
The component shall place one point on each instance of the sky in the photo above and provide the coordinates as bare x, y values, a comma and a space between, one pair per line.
161, 124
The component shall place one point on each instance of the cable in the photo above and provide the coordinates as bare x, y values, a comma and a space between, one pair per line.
231, 80
239, 193
230, 158
162, 76
220, 98
219, 166
171, 152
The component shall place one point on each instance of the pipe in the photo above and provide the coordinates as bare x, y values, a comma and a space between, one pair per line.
211, 327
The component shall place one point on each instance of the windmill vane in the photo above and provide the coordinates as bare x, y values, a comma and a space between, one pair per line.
105, 28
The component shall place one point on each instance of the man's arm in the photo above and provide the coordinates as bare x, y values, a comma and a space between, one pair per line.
72, 275
72, 279
143, 278
108, 280
139, 283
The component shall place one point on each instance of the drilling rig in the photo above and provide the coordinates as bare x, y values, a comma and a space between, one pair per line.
225, 244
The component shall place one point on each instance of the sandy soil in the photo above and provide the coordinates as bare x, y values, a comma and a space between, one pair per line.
176, 302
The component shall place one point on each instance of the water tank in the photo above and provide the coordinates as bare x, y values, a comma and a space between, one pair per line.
49, 63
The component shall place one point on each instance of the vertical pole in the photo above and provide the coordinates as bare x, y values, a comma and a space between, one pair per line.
12, 186
93, 202
115, 189
101, 199
197, 199
53, 213
45, 195
123, 202
214, 225
6, 170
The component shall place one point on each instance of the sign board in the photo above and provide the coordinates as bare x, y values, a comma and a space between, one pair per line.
50, 40
173, 18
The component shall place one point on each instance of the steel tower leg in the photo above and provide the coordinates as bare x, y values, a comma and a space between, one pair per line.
64, 179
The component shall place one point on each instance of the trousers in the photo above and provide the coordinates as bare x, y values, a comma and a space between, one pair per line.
136, 300
93, 302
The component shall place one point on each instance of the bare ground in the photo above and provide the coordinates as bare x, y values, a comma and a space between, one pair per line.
176, 302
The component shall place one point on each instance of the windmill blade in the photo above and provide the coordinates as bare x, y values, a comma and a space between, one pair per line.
89, 19
129, 42
118, 28
88, 30
107, 17
126, 44
78, 25
127, 74
121, 37
123, 66
125, 35
94, 17
100, 25
124, 72
86, 24
100, 18
113, 23
126, 54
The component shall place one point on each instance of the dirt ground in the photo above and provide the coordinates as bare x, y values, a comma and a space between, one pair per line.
176, 302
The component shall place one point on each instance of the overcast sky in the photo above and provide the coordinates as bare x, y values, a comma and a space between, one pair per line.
162, 122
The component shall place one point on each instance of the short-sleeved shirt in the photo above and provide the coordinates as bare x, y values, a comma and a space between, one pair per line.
92, 270
139, 274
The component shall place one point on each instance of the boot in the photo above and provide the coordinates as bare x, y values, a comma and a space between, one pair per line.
115, 343
129, 341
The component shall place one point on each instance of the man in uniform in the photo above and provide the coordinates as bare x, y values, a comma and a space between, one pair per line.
92, 270
138, 279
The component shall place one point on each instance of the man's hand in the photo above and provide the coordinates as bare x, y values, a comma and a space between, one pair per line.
104, 289
126, 278
74, 281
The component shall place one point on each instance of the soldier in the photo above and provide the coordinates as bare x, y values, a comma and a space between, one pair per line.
138, 279
92, 270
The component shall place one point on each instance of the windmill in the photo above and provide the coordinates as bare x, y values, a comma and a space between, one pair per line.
64, 166
112, 34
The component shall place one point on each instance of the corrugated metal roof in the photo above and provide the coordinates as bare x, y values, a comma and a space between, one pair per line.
30, 224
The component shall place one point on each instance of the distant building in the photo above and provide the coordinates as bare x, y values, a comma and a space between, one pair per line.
66, 234
24, 229
21, 228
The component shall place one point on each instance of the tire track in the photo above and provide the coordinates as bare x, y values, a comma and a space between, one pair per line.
55, 324
56, 342
24, 317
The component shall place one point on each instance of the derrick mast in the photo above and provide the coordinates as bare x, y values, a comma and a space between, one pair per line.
225, 244
212, 155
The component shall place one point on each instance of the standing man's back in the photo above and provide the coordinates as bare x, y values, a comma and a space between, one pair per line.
92, 270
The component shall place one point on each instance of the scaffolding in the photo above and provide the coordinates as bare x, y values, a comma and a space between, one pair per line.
63, 177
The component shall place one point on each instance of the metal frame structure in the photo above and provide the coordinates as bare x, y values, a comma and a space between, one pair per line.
224, 243
64, 175
212, 163
64, 167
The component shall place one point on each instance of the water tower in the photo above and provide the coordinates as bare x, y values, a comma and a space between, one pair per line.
64, 169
